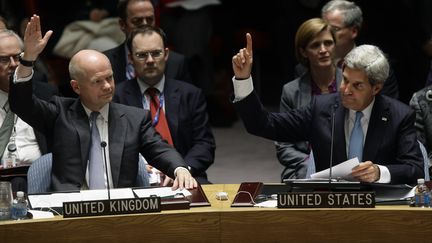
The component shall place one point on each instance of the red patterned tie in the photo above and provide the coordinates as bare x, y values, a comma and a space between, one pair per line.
158, 115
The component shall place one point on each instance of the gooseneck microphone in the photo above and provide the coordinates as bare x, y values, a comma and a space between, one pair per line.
331, 144
103, 145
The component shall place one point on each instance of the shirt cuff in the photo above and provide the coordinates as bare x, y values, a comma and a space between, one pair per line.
385, 176
22, 80
242, 88
180, 168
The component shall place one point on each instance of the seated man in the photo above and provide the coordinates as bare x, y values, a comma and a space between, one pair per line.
79, 128
14, 132
186, 124
378, 130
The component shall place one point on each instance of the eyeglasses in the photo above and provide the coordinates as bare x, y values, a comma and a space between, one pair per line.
144, 55
5, 60
337, 28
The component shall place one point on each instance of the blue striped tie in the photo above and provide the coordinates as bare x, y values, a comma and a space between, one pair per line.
356, 139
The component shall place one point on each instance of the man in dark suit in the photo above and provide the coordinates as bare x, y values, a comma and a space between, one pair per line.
183, 103
133, 14
127, 131
382, 134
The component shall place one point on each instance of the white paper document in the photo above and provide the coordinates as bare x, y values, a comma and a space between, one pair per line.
161, 192
342, 170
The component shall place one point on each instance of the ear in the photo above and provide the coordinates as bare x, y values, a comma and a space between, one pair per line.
166, 54
130, 59
354, 32
75, 86
377, 88
303, 53
122, 25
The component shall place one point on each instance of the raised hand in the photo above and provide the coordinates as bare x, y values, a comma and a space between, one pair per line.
34, 43
242, 61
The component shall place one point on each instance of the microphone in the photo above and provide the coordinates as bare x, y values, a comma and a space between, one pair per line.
103, 145
335, 106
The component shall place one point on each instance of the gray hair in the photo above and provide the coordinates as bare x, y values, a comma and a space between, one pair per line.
352, 13
8, 33
371, 60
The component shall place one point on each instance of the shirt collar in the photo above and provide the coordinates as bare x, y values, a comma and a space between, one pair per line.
103, 112
366, 111
144, 86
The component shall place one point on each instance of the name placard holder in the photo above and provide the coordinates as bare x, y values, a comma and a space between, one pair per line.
111, 207
326, 200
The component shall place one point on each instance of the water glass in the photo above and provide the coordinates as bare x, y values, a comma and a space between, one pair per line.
6, 200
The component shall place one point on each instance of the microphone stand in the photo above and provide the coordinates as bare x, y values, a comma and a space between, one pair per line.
103, 145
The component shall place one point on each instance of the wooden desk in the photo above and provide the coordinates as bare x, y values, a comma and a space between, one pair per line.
221, 223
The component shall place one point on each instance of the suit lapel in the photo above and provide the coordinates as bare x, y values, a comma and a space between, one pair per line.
305, 90
339, 134
172, 106
133, 93
116, 133
377, 127
81, 122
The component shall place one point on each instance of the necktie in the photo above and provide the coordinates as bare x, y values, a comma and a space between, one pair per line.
96, 166
158, 115
130, 71
6, 128
356, 139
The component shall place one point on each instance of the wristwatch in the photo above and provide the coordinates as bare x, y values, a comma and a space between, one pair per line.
25, 63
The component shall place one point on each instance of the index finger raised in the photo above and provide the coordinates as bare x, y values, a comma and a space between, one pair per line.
249, 42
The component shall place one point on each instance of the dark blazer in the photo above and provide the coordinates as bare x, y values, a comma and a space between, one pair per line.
176, 66
390, 141
66, 126
186, 112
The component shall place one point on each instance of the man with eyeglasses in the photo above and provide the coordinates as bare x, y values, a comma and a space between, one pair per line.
178, 108
346, 19
133, 14
14, 132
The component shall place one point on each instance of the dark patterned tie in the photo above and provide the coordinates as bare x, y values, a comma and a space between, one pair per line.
158, 115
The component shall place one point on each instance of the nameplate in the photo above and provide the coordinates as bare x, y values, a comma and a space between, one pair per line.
111, 207
326, 200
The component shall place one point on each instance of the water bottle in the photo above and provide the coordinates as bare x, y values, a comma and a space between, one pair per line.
19, 207
11, 156
422, 194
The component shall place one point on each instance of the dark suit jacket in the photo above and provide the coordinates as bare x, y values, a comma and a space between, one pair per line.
43, 91
176, 66
390, 141
185, 109
66, 126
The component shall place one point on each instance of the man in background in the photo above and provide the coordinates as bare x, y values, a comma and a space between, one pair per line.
178, 109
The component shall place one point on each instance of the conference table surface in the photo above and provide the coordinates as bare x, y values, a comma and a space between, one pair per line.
222, 223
